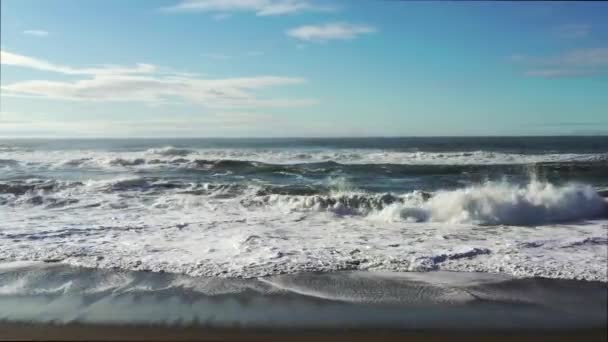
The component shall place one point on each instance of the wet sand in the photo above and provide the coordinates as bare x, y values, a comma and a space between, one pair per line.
24, 331
59, 302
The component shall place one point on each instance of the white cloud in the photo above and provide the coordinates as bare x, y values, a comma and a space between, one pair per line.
37, 33
573, 63
572, 31
259, 7
9, 58
145, 84
331, 31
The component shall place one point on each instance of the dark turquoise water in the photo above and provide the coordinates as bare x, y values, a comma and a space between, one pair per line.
309, 166
573, 144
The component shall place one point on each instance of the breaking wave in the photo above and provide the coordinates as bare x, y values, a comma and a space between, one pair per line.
356, 160
21, 187
491, 203
250, 210
582, 169
506, 204
170, 151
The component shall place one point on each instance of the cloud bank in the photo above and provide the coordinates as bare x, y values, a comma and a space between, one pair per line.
9, 58
144, 83
259, 7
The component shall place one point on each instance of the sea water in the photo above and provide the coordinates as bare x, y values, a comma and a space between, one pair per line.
255, 207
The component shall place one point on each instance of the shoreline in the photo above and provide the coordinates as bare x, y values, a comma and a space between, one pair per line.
57, 299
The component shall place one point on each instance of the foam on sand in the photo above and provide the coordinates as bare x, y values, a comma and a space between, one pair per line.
39, 293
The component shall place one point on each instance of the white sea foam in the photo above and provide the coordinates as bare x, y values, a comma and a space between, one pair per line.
491, 203
105, 209
503, 203
526, 230
172, 157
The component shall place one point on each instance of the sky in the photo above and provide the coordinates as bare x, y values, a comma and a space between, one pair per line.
302, 68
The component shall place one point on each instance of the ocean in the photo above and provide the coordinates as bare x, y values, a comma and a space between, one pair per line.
248, 208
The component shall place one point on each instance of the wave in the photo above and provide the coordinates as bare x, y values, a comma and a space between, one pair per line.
36, 192
363, 156
331, 165
127, 162
558, 171
344, 204
7, 148
142, 184
492, 203
223, 164
8, 162
590, 241
489, 203
21, 187
355, 159
578, 170
170, 151
506, 204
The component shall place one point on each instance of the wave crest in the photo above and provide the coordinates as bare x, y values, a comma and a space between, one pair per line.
491, 203
503, 203
170, 151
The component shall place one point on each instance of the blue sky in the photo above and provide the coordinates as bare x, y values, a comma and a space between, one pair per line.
263, 68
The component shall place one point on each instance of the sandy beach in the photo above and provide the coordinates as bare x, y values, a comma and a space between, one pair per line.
55, 301
325, 170
12, 331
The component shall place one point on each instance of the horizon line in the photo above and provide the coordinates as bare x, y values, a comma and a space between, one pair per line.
313, 137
